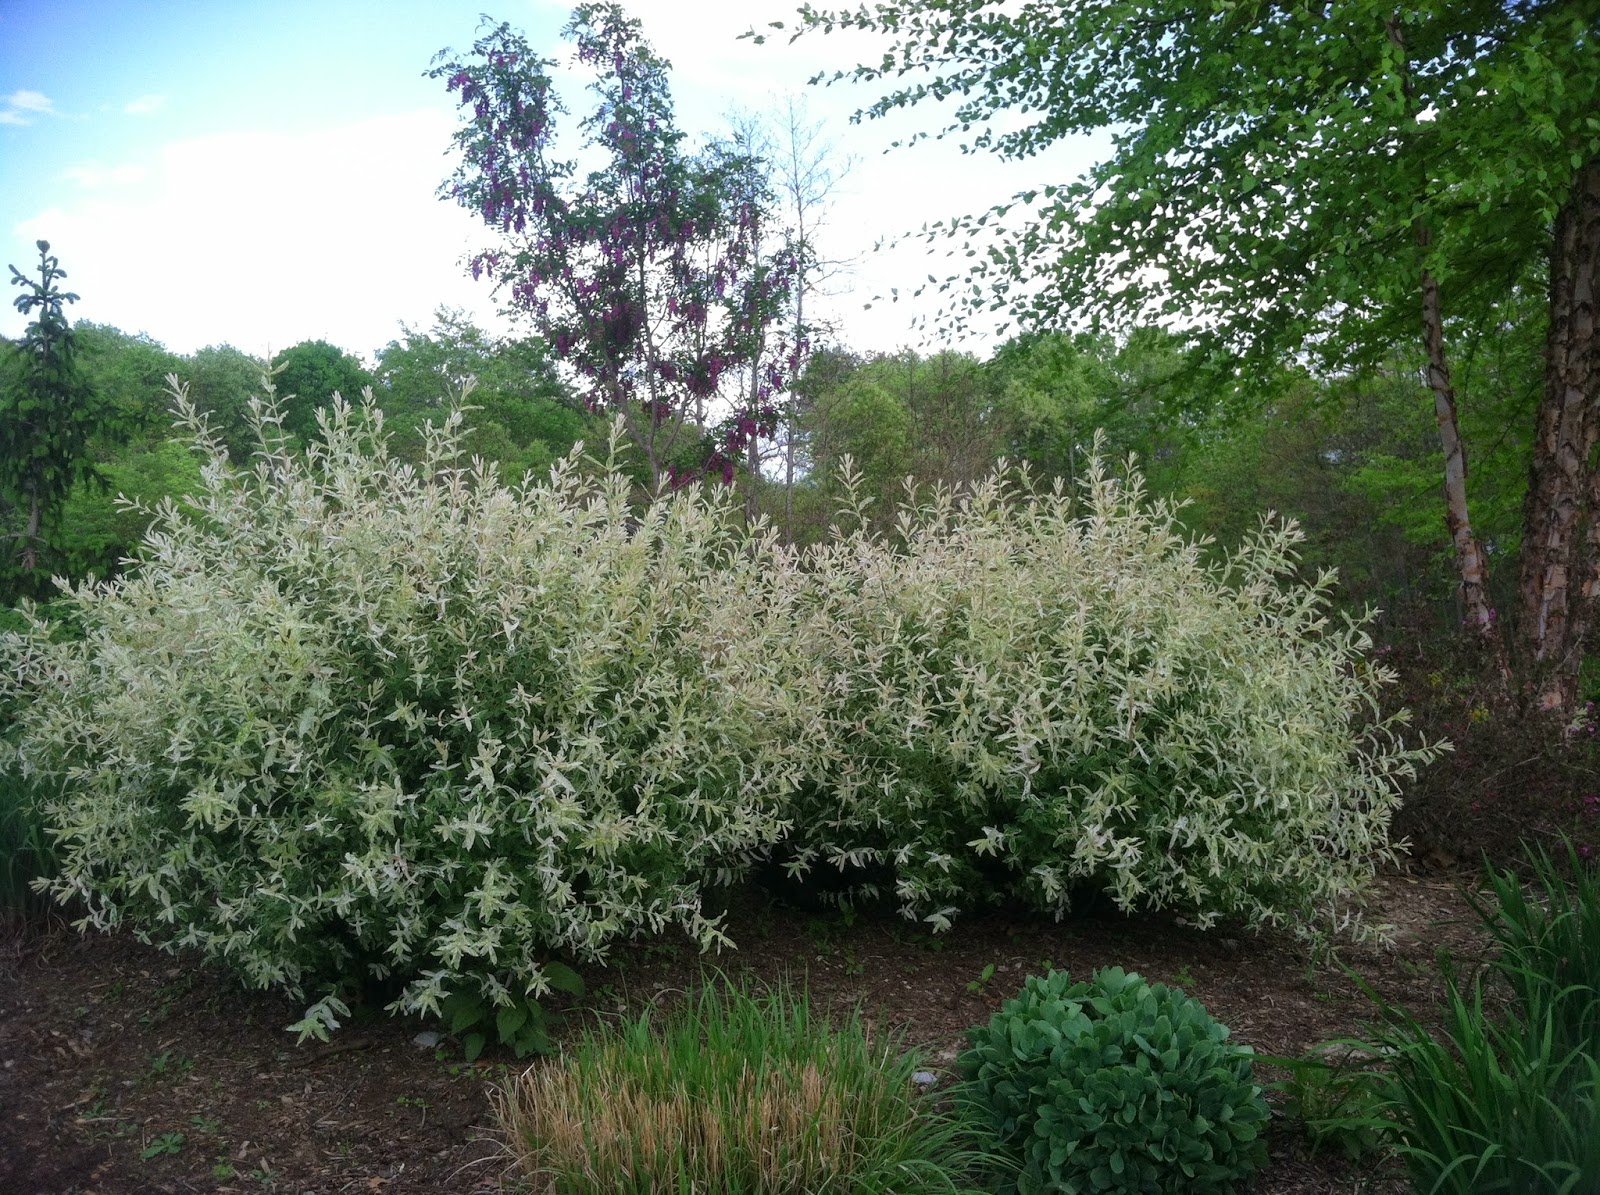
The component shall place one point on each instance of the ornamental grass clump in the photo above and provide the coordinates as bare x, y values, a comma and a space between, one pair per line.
350, 719
1022, 693
1113, 1085
735, 1092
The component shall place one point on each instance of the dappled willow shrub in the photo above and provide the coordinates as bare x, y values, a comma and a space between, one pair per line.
1025, 693
352, 718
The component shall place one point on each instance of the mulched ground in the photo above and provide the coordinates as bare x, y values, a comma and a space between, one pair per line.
123, 1069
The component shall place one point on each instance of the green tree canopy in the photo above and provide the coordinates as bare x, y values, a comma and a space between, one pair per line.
524, 416
1302, 180
222, 380
308, 375
1271, 163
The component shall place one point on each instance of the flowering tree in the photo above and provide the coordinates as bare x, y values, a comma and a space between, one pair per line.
651, 276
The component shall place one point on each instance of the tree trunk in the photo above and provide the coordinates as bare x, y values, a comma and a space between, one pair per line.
1561, 539
1469, 553
1470, 563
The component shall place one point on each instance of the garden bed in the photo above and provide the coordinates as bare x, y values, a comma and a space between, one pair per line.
124, 1069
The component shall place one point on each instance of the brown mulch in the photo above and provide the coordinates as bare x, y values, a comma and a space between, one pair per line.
109, 1049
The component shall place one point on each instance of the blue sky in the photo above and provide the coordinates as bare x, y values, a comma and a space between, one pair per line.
259, 173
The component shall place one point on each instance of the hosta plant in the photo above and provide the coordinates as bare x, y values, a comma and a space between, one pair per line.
353, 719
1114, 1085
1028, 692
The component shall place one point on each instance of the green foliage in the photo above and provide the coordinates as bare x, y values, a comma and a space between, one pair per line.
48, 420
1270, 166
1337, 1101
520, 1026
26, 852
102, 526
356, 719
738, 1092
308, 375
1550, 942
1114, 1085
221, 380
1491, 1105
1021, 693
1509, 1101
353, 718
523, 418
167, 1144
127, 374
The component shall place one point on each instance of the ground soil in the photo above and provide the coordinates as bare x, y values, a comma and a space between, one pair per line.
109, 1049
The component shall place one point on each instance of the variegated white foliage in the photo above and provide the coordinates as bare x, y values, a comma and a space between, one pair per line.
350, 715
1031, 692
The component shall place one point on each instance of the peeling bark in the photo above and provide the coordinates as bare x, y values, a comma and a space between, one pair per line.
1561, 538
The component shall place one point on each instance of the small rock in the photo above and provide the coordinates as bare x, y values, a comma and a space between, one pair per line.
924, 1079
426, 1040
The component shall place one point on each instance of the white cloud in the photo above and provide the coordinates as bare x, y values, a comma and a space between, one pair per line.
19, 105
30, 101
93, 175
263, 240
144, 105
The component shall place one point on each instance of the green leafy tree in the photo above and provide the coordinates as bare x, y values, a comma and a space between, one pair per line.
128, 373
899, 416
308, 375
48, 417
1298, 179
222, 380
524, 417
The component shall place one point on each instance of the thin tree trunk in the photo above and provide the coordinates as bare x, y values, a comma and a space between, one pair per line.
1564, 488
1470, 563
30, 541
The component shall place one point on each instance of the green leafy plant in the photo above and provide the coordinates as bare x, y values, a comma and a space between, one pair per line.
979, 985
351, 720
1114, 1085
1548, 934
1023, 694
1336, 1098
1506, 1095
1490, 1104
26, 852
162, 1146
521, 1027
374, 721
736, 1091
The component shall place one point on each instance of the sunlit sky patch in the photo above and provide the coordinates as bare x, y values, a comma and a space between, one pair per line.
264, 173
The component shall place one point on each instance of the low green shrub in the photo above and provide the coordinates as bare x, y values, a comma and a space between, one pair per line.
1023, 693
736, 1092
1335, 1096
1114, 1085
